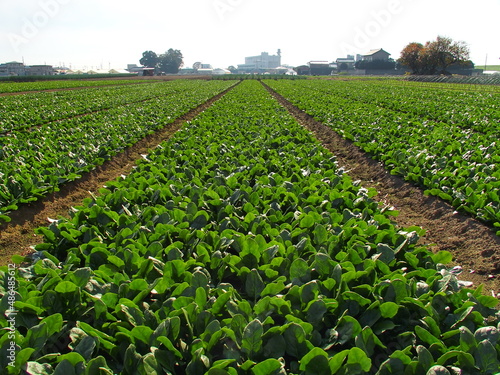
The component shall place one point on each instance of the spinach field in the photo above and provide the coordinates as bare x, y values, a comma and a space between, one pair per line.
240, 245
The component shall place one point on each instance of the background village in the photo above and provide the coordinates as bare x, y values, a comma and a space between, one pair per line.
373, 62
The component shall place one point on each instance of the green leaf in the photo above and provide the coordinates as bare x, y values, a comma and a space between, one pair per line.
86, 347
273, 289
424, 357
73, 358
295, 338
389, 309
467, 340
66, 287
320, 234
200, 220
99, 366
348, 328
217, 371
315, 311
169, 346
427, 337
487, 333
254, 284
315, 362
18, 259
142, 333
486, 358
252, 338
337, 361
443, 257
307, 221
131, 360
384, 253
300, 272
358, 357
149, 366
138, 285
270, 366
275, 347
65, 368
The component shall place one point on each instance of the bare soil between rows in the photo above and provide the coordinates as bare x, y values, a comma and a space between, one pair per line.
474, 245
18, 236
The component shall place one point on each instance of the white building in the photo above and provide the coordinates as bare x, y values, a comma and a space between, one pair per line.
262, 62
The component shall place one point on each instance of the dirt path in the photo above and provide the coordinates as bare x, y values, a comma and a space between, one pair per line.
17, 237
474, 245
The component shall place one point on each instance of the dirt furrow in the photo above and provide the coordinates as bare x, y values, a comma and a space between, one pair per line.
18, 237
473, 244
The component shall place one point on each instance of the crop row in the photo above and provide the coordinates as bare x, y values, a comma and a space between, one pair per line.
478, 110
240, 247
11, 87
21, 112
39, 160
452, 161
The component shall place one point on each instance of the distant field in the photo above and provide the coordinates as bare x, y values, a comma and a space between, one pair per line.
490, 67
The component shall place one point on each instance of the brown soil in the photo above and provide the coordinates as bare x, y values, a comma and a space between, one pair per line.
473, 244
18, 236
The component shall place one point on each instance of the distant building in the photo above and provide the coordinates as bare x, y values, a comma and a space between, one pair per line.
345, 63
260, 63
40, 70
376, 54
140, 70
303, 70
220, 71
205, 69
320, 68
13, 68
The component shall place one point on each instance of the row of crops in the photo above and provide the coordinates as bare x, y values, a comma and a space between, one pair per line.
239, 246
35, 160
13, 87
21, 112
443, 140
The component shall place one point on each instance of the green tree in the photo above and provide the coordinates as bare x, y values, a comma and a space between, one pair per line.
149, 59
170, 62
445, 52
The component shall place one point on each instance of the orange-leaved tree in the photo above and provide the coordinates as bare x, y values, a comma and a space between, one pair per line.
434, 57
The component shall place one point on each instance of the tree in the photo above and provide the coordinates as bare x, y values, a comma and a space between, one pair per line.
445, 52
434, 57
411, 57
170, 62
149, 59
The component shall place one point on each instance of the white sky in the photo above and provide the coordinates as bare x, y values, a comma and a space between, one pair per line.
114, 33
